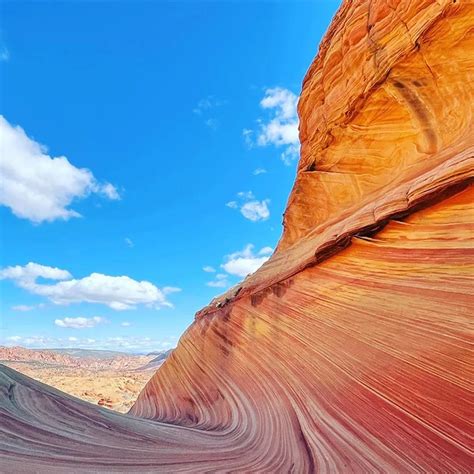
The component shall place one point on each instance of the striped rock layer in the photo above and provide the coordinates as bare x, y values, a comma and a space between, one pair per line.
349, 350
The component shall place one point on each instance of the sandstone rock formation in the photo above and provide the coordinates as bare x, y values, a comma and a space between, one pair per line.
348, 351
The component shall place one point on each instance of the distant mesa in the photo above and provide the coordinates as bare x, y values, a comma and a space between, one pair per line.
108, 378
157, 361
99, 359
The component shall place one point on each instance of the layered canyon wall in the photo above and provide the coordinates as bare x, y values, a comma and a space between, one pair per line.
348, 351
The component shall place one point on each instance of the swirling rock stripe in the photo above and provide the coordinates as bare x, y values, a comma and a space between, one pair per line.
359, 364
349, 350
386, 117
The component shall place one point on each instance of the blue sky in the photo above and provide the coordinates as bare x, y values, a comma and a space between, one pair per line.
140, 144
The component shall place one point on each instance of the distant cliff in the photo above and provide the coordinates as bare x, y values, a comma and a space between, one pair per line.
348, 351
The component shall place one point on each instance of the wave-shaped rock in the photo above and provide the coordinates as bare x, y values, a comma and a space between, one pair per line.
348, 351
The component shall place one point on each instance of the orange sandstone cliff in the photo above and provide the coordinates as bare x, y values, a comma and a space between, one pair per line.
349, 350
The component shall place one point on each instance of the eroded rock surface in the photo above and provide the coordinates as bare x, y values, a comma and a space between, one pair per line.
348, 351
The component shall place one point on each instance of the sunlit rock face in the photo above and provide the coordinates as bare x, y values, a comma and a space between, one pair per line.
388, 99
358, 364
357, 361
348, 351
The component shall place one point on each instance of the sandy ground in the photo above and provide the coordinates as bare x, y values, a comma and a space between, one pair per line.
114, 389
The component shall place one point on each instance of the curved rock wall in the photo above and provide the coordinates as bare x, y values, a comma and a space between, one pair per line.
390, 92
358, 364
348, 351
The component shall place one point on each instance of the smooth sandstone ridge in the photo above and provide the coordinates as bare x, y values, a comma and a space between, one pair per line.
349, 350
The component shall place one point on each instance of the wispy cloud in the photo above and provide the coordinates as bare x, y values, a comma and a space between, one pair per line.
248, 135
23, 307
80, 322
26, 167
4, 53
206, 108
232, 204
212, 123
208, 103
280, 128
250, 207
246, 195
123, 343
208, 269
116, 292
220, 281
258, 171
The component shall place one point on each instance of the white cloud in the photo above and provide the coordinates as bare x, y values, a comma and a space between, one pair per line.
281, 128
232, 204
221, 281
26, 276
209, 269
38, 187
79, 323
116, 292
256, 210
125, 324
108, 190
277, 133
281, 99
290, 154
167, 290
129, 242
218, 283
251, 208
258, 171
244, 262
22, 307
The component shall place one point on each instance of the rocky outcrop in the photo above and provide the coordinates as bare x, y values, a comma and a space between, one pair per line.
348, 351
108, 378
21, 354
357, 364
